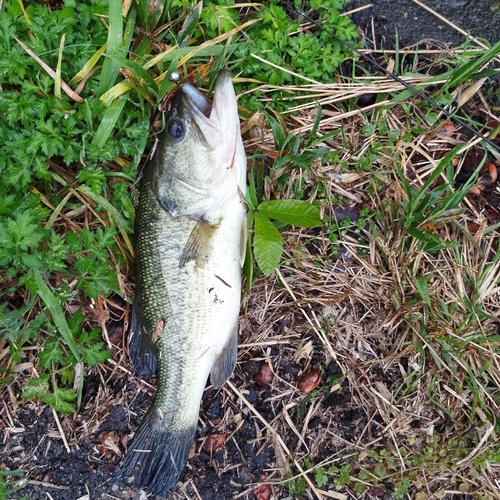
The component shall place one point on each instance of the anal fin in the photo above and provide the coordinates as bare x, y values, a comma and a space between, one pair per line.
226, 361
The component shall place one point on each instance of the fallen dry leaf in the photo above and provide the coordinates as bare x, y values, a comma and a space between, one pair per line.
214, 441
309, 380
262, 492
115, 332
447, 130
125, 440
492, 170
265, 376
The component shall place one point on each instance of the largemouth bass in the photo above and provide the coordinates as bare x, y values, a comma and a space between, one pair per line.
191, 239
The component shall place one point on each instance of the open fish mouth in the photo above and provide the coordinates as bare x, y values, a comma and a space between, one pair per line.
220, 111
197, 99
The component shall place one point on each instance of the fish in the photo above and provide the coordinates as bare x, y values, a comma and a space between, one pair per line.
191, 234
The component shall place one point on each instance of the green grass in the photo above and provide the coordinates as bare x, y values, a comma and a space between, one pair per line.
9, 484
81, 86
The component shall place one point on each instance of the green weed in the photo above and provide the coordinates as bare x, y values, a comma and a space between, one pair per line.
10, 484
265, 239
312, 55
78, 95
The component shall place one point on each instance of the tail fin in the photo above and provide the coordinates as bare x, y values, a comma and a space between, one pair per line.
156, 457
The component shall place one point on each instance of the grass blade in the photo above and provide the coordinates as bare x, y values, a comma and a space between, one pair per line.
108, 122
60, 322
469, 69
111, 66
57, 79
88, 66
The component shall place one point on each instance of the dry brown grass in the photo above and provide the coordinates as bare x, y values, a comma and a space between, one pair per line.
419, 373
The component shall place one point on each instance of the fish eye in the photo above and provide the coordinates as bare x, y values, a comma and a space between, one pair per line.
176, 129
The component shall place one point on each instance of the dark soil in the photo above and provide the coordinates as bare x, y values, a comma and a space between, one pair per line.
480, 18
246, 459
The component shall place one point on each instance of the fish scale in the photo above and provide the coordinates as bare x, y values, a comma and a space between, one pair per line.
190, 244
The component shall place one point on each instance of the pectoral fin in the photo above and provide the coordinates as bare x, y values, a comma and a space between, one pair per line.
226, 361
199, 244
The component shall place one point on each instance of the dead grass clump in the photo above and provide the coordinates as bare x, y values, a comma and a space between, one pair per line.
397, 310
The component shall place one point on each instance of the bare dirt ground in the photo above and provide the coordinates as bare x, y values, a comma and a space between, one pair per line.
381, 20
265, 422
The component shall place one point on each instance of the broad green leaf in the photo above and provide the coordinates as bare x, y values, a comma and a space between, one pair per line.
267, 244
296, 212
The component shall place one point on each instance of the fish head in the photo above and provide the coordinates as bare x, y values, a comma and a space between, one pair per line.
200, 162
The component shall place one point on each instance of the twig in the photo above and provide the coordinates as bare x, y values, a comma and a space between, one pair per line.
285, 70
61, 431
483, 440
358, 9
48, 485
